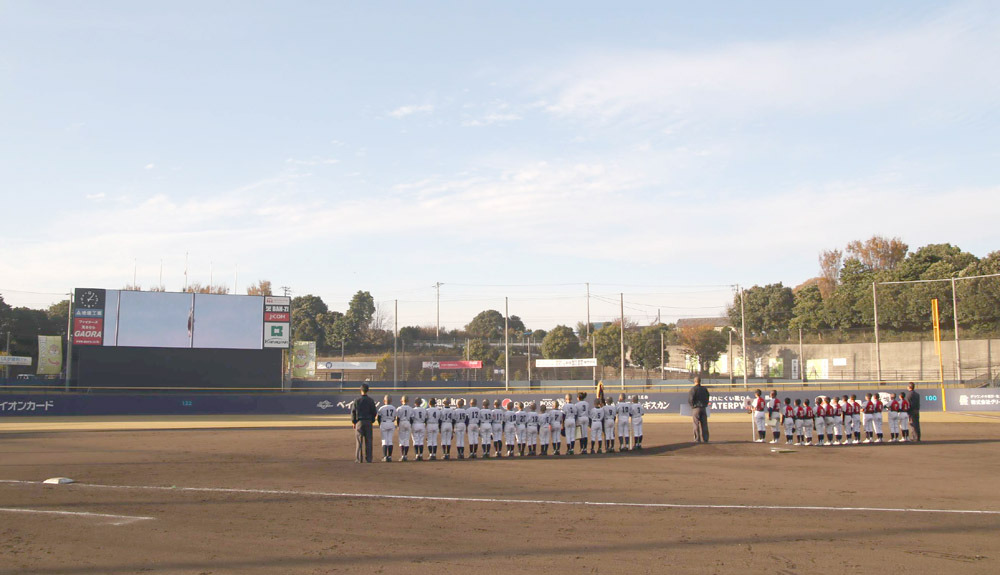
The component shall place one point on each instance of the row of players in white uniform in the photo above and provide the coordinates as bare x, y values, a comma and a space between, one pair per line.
521, 425
837, 421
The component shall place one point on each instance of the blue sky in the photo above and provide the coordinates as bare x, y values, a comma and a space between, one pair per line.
667, 150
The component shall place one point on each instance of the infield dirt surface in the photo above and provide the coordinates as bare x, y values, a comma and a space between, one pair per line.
296, 504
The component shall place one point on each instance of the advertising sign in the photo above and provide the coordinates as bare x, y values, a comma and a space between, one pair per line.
88, 316
14, 360
277, 323
304, 359
581, 362
49, 355
347, 365
452, 365
88, 331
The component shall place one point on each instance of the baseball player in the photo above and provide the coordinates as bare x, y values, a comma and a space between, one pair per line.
788, 420
510, 428
433, 427
868, 408
485, 427
556, 417
473, 427
856, 418
622, 411
609, 426
522, 429
800, 422
635, 412
904, 419
569, 423
820, 415
544, 428
531, 429
847, 408
838, 421
758, 408
774, 415
447, 426
461, 419
387, 425
497, 420
893, 409
808, 423
596, 425
583, 419
419, 428
879, 408
404, 426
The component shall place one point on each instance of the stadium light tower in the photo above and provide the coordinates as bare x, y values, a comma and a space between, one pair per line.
437, 333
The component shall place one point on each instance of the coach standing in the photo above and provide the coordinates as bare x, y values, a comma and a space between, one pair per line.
913, 397
698, 400
363, 413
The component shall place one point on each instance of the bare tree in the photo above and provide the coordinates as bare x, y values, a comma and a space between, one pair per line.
879, 253
829, 265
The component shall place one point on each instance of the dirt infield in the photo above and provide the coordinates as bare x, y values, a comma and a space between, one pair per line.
229, 501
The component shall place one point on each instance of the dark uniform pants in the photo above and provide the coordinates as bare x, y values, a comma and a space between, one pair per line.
363, 435
699, 417
915, 424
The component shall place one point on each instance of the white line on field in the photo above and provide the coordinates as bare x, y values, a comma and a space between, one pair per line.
118, 519
331, 494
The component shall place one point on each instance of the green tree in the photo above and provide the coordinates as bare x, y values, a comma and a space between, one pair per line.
704, 343
480, 350
768, 311
560, 343
307, 320
487, 324
645, 348
607, 342
808, 311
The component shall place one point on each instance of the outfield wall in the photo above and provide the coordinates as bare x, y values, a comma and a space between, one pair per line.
70, 404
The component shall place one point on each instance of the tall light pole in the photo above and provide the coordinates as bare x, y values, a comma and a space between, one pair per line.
437, 333
395, 337
958, 349
878, 348
506, 345
593, 343
621, 339
743, 336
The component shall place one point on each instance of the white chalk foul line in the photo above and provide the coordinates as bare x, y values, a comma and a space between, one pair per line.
332, 494
115, 519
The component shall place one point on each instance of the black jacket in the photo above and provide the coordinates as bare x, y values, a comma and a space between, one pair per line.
698, 396
363, 409
914, 398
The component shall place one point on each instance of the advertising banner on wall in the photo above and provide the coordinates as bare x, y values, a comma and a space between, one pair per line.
304, 359
581, 362
452, 365
88, 316
818, 368
277, 322
14, 360
347, 365
49, 355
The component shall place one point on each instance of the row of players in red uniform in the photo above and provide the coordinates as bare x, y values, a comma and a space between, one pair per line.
836, 421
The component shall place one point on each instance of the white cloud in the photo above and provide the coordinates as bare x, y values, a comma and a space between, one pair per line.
404, 111
952, 56
314, 161
149, 166
96, 197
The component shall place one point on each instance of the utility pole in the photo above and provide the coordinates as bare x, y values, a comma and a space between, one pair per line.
878, 349
593, 343
343, 359
729, 356
69, 341
958, 348
437, 286
529, 361
506, 344
185, 271
743, 336
287, 290
6, 368
662, 356
395, 337
802, 359
621, 338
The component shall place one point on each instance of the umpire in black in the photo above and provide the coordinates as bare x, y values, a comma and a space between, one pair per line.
363, 412
913, 396
698, 400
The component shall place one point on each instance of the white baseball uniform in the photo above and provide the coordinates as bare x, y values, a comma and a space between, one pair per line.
404, 425
433, 425
569, 422
419, 425
447, 425
386, 423
596, 423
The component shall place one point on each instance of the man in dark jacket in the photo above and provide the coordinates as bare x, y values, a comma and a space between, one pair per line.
698, 400
913, 397
363, 412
